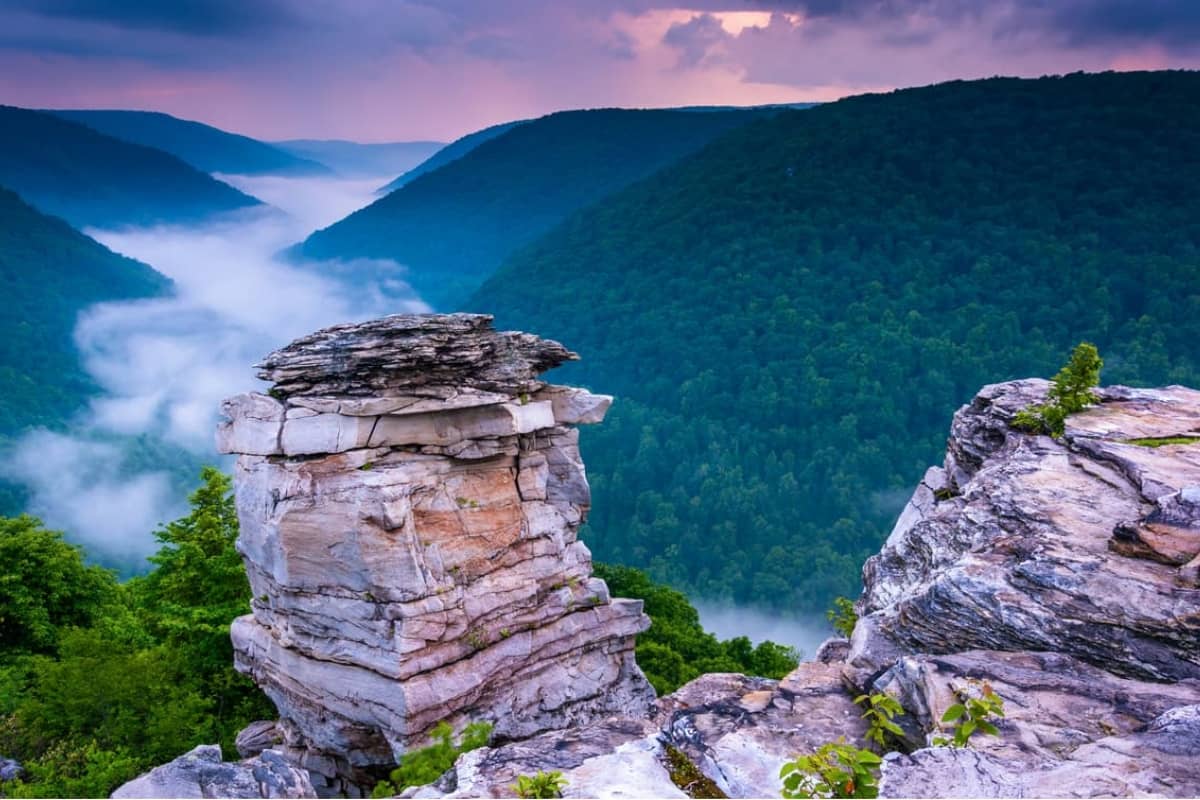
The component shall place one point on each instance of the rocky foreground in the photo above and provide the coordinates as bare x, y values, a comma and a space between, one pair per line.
411, 537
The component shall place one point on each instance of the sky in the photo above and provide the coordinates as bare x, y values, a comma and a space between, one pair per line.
391, 70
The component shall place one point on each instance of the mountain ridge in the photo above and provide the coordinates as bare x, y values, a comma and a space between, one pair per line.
205, 147
452, 226
69, 170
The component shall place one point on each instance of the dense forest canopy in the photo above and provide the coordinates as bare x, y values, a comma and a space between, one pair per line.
453, 226
790, 316
89, 179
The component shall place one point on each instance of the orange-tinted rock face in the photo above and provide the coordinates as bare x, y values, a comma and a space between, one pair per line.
414, 554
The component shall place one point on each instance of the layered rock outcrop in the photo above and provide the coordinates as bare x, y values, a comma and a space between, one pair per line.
409, 493
1059, 572
1079, 545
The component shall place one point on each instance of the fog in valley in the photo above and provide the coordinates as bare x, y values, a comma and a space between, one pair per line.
728, 621
163, 365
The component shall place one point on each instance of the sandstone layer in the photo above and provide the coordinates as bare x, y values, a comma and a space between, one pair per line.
409, 493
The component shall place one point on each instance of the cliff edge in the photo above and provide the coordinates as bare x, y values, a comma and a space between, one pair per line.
410, 493
1061, 573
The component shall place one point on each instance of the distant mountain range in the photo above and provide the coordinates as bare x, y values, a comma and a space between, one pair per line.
451, 152
453, 225
789, 316
71, 170
358, 160
206, 148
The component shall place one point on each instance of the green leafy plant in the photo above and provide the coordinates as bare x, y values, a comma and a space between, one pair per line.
541, 785
880, 709
842, 616
1071, 393
837, 769
974, 714
426, 765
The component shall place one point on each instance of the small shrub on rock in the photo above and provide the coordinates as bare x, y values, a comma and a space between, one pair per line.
975, 714
842, 616
1070, 394
420, 767
880, 709
541, 785
837, 769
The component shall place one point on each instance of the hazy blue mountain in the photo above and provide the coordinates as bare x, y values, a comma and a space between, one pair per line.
451, 152
69, 170
358, 160
452, 227
790, 316
206, 148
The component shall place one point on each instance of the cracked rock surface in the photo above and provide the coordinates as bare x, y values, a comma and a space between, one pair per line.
409, 495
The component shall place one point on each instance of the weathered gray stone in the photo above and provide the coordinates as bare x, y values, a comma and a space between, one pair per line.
251, 423
412, 547
258, 736
740, 731
1160, 760
1019, 551
405, 354
575, 406
611, 759
201, 773
10, 770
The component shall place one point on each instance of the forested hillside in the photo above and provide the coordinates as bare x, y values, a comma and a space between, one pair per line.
206, 148
451, 152
49, 272
71, 171
789, 317
453, 226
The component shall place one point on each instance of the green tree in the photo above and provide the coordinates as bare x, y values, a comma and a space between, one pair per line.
1073, 384
45, 586
197, 587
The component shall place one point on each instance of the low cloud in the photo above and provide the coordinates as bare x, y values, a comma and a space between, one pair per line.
727, 622
164, 365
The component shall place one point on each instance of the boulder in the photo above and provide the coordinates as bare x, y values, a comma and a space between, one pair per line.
1157, 761
201, 773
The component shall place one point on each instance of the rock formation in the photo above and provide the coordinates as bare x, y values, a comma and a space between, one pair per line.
1029, 543
409, 493
1059, 572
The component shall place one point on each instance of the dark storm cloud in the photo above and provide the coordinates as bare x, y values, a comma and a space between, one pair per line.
194, 17
1170, 23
